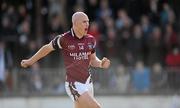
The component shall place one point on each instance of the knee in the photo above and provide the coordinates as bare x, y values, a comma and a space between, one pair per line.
97, 106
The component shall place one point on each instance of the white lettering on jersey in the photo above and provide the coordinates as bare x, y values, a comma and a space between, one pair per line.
71, 47
81, 47
80, 55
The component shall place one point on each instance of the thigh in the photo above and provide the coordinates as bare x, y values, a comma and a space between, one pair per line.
86, 101
76, 89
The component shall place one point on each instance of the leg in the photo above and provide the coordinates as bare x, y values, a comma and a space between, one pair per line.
86, 101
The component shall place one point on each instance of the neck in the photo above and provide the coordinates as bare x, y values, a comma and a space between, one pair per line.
77, 33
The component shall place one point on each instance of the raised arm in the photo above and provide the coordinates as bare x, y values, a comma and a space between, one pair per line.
96, 62
43, 51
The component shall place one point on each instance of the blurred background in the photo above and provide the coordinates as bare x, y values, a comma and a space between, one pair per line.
141, 38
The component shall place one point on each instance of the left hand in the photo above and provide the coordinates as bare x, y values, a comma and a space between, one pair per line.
105, 63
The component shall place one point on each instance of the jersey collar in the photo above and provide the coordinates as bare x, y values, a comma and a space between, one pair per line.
72, 32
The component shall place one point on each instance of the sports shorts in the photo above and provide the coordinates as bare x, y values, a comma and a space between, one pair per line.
76, 89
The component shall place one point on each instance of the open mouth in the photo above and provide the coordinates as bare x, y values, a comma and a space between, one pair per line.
86, 29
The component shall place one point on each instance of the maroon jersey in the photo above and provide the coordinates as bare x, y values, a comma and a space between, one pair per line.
76, 54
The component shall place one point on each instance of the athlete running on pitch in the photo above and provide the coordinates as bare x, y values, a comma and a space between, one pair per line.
78, 50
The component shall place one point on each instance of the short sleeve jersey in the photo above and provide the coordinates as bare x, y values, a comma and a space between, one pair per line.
76, 54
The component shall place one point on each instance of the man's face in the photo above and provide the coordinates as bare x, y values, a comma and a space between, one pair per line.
83, 24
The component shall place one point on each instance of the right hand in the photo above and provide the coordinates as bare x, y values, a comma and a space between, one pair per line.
25, 63
105, 63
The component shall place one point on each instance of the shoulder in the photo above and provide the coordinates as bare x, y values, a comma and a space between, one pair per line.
91, 42
68, 33
88, 36
64, 35
91, 39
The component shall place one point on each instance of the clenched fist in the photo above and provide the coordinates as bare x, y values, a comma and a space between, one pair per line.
26, 63
105, 63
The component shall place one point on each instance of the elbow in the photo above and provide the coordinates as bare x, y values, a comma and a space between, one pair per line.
91, 63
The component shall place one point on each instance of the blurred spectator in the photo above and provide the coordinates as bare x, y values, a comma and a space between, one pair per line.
2, 67
104, 10
24, 31
123, 20
146, 27
153, 6
141, 78
55, 7
153, 14
124, 56
36, 81
6, 64
170, 37
167, 15
155, 47
55, 27
135, 44
10, 21
8, 28
22, 13
173, 64
107, 24
173, 58
110, 45
79, 6
103, 16
158, 78
92, 6
112, 81
123, 79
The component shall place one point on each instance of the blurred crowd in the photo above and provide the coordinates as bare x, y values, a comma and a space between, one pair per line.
143, 35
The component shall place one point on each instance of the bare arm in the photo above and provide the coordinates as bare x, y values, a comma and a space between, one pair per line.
96, 62
43, 51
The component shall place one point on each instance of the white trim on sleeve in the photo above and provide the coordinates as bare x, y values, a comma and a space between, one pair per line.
58, 41
94, 44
